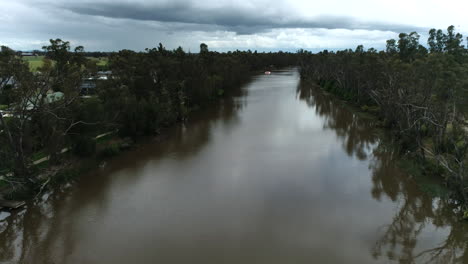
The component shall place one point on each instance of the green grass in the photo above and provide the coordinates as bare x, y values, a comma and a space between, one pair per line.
38, 155
100, 61
3, 172
105, 139
426, 176
36, 62
3, 107
43, 165
3, 183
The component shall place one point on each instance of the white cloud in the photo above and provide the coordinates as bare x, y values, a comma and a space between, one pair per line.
290, 39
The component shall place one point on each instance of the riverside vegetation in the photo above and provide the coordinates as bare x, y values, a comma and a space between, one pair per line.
419, 93
146, 92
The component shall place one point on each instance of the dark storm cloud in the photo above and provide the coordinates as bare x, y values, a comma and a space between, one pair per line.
239, 20
222, 24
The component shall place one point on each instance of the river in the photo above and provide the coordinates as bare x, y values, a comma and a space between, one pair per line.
281, 173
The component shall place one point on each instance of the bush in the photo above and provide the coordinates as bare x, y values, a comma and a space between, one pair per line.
84, 146
65, 176
111, 150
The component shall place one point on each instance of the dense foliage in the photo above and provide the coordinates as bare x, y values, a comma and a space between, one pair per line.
419, 92
45, 113
152, 89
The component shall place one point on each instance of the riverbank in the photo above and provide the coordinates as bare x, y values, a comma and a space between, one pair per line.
70, 166
429, 176
286, 163
426, 174
106, 146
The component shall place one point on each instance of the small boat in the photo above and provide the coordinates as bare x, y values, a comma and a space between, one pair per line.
267, 73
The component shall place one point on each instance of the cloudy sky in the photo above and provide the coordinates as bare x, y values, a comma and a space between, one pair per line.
262, 25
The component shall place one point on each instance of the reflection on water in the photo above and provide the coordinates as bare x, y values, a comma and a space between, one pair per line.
281, 173
39, 233
417, 214
356, 134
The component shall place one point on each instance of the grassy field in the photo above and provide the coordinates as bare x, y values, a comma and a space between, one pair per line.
100, 61
36, 62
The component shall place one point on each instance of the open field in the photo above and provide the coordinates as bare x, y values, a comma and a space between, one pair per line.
100, 61
36, 62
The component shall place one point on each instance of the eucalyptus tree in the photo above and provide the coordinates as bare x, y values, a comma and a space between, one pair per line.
40, 119
436, 40
421, 96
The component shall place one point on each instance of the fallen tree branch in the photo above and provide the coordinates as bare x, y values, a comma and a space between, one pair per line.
42, 187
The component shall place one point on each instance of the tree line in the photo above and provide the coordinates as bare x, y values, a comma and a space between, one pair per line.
419, 91
145, 92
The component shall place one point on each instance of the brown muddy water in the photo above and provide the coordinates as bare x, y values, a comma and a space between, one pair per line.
279, 174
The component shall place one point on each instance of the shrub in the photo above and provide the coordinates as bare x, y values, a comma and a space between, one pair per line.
84, 146
111, 150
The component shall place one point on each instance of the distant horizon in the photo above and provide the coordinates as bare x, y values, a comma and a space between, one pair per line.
423, 42
220, 51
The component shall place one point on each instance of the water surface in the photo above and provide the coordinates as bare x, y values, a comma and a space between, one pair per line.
281, 173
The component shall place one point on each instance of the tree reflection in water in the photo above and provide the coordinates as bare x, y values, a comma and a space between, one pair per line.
46, 231
417, 214
356, 134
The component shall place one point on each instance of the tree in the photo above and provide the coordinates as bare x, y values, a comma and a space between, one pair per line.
408, 45
391, 47
67, 64
41, 119
453, 41
15, 129
359, 49
432, 41
7, 61
421, 97
203, 48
